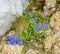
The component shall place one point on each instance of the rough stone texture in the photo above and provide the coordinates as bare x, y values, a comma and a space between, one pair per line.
52, 42
55, 21
34, 48
31, 51
11, 9
49, 7
11, 49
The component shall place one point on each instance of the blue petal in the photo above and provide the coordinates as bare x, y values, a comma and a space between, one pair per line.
45, 23
12, 40
19, 42
9, 37
37, 25
37, 28
9, 43
15, 38
14, 43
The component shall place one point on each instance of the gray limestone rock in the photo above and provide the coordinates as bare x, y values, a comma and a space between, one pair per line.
9, 10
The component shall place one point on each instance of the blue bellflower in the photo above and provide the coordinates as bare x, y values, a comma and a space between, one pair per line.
12, 39
9, 37
45, 23
37, 27
19, 42
12, 42
15, 38
9, 43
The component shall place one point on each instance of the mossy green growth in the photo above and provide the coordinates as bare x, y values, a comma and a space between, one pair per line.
26, 30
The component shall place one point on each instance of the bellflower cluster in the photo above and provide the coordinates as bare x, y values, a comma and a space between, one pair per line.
44, 24
13, 40
37, 27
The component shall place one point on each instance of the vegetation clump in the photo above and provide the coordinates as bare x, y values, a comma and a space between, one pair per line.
30, 26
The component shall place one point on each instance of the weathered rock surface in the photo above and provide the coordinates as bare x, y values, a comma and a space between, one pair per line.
11, 9
34, 48
50, 6
52, 42
55, 21
31, 51
11, 49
